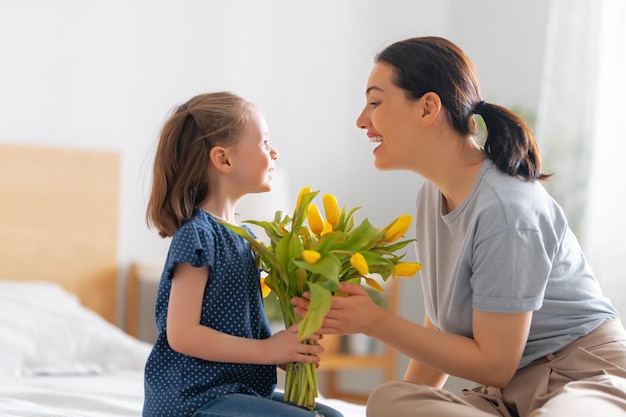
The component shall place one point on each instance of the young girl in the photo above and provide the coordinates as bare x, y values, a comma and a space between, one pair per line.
214, 354
511, 302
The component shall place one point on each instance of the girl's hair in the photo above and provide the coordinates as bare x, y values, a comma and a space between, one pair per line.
180, 180
433, 64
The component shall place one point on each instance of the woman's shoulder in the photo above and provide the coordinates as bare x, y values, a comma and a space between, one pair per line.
522, 203
512, 190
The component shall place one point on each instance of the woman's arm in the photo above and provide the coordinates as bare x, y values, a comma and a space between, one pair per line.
490, 357
418, 372
186, 335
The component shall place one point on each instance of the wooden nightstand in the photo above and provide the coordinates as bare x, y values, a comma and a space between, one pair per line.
142, 286
335, 362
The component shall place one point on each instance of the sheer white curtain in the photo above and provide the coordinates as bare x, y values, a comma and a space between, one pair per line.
581, 126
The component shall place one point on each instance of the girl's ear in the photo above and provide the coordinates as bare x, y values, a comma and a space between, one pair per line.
430, 108
218, 158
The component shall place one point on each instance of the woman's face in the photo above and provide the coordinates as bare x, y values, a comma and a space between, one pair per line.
390, 119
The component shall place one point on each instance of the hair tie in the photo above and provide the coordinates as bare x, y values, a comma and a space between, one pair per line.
479, 107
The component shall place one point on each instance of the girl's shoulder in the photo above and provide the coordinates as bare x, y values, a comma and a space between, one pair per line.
203, 226
200, 227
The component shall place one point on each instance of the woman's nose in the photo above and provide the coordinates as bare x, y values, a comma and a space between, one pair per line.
362, 120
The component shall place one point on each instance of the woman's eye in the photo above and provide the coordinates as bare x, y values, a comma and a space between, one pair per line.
373, 104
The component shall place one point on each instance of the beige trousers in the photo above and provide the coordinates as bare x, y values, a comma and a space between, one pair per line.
586, 378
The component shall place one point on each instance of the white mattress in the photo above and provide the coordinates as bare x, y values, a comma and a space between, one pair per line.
59, 359
110, 394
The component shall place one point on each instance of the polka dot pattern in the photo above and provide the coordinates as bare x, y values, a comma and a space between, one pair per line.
176, 384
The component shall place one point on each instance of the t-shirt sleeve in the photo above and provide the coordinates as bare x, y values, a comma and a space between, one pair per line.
511, 271
193, 245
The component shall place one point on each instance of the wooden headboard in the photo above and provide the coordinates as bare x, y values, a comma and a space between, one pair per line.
59, 220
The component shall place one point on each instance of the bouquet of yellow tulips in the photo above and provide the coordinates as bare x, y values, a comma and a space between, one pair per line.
315, 258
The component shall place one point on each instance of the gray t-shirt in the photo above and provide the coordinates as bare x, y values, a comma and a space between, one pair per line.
506, 248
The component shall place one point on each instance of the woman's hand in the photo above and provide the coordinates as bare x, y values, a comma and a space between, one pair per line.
285, 347
354, 312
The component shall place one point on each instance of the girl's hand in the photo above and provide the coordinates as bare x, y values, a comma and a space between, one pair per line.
352, 313
285, 347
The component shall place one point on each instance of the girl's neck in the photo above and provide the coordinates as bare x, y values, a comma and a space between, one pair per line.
225, 212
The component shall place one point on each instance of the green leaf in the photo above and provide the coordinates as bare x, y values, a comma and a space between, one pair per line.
328, 265
273, 281
374, 259
303, 210
266, 254
359, 237
394, 246
327, 241
319, 306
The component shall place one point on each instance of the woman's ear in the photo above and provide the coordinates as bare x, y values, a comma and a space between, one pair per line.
218, 158
430, 107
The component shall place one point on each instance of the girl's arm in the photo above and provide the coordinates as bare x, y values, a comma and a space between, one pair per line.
490, 357
186, 335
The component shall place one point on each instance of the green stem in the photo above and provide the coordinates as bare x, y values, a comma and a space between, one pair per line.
301, 379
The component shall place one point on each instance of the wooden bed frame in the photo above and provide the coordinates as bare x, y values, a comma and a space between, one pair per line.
59, 220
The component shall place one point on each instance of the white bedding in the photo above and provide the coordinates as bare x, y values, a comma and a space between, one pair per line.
58, 358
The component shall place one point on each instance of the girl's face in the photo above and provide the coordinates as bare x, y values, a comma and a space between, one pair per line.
390, 119
253, 157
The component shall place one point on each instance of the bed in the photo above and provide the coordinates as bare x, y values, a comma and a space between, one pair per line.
60, 352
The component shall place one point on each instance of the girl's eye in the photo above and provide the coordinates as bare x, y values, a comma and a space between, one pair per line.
373, 104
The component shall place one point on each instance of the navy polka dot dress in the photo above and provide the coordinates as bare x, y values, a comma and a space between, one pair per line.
177, 384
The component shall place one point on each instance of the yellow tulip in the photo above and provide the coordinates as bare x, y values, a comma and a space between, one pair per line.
374, 284
311, 256
316, 222
331, 209
359, 263
265, 290
303, 191
327, 228
406, 269
398, 228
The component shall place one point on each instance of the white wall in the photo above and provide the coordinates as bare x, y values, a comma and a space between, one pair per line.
104, 75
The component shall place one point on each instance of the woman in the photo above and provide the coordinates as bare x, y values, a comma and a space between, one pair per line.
511, 302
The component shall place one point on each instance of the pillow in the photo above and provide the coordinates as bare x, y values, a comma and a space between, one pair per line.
45, 330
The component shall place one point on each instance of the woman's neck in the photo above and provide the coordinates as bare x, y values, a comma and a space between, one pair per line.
457, 178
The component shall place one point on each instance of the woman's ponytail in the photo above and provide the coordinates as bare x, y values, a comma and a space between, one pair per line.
510, 143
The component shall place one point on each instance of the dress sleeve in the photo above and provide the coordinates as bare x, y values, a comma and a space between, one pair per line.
194, 245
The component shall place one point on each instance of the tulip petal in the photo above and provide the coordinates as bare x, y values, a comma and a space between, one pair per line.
398, 228
331, 209
303, 191
316, 222
265, 290
311, 256
406, 269
374, 284
359, 263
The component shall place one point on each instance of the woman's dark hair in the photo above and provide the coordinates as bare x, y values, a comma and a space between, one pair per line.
434, 64
180, 180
